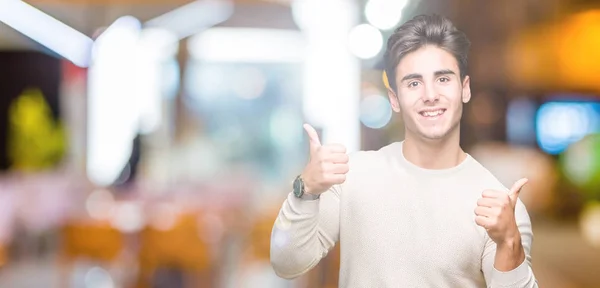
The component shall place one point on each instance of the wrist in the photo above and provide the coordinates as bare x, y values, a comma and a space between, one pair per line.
509, 254
302, 190
309, 188
511, 242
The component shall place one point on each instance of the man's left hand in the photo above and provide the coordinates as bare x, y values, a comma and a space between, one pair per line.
496, 213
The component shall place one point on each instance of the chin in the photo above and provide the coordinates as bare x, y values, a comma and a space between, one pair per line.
434, 135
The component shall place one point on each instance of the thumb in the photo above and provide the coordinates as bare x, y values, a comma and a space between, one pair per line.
516, 189
313, 137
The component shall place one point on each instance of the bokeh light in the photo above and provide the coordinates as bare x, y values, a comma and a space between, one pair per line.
250, 83
128, 217
384, 14
581, 165
375, 111
590, 223
560, 124
520, 121
365, 41
100, 204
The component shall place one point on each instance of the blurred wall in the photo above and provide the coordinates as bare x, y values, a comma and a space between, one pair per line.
20, 70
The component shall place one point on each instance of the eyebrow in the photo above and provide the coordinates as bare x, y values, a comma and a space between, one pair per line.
419, 76
444, 72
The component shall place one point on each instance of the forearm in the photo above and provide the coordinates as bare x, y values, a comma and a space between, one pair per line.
511, 268
509, 255
302, 235
520, 277
508, 264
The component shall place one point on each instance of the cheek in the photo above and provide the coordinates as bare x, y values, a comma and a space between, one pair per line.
457, 109
452, 91
453, 95
405, 107
409, 100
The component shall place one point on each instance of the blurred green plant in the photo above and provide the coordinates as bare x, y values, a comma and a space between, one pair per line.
580, 163
35, 140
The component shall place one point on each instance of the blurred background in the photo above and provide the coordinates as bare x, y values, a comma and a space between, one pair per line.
151, 143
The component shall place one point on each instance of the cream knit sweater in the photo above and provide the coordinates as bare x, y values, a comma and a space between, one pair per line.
399, 225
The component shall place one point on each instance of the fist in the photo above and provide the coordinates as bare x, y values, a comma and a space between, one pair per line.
327, 165
495, 212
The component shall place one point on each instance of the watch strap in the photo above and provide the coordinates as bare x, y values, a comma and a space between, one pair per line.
307, 196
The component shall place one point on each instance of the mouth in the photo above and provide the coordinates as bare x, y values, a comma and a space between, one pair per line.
432, 113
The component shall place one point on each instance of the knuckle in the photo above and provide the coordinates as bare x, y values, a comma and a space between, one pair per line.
319, 150
346, 168
339, 147
322, 166
321, 154
318, 159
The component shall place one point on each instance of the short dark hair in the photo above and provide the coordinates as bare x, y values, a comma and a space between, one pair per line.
425, 30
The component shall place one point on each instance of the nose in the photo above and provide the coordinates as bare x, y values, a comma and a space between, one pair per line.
430, 94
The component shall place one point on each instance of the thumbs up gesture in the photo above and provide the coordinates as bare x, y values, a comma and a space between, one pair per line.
327, 166
495, 212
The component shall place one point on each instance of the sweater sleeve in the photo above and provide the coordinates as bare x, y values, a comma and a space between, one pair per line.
520, 277
304, 232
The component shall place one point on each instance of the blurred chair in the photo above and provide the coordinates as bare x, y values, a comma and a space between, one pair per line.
326, 273
255, 267
178, 247
331, 267
3, 255
89, 240
259, 246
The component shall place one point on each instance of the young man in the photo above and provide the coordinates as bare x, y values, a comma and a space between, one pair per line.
418, 213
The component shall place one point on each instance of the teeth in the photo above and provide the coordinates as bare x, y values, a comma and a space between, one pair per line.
431, 113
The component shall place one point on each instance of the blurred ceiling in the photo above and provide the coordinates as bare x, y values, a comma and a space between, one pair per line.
87, 16
84, 18
505, 35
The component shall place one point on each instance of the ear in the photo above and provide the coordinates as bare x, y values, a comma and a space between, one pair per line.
391, 94
466, 90
393, 100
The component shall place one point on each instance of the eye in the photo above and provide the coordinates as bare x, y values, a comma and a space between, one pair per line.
444, 79
413, 84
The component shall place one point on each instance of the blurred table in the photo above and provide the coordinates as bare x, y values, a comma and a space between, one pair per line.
561, 257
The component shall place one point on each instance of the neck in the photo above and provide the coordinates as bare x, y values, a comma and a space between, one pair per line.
442, 153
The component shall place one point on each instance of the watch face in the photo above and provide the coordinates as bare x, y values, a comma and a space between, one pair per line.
298, 189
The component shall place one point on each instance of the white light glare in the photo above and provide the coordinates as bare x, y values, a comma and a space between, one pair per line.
51, 33
193, 17
365, 41
247, 45
113, 110
384, 14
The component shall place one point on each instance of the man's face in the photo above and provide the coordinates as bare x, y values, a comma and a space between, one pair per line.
430, 93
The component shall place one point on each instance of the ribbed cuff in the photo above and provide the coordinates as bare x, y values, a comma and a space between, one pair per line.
511, 278
303, 206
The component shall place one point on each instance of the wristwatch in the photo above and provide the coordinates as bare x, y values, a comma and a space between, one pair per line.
299, 191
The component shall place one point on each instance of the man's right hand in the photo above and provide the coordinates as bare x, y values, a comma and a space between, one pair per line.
327, 166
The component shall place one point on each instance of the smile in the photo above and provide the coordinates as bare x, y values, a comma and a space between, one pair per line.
432, 113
